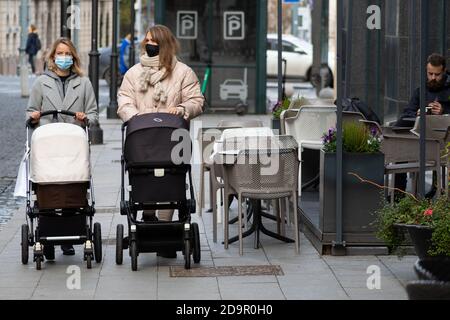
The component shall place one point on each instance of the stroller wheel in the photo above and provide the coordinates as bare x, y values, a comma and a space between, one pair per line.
119, 244
98, 242
25, 244
38, 262
89, 261
133, 254
196, 252
187, 254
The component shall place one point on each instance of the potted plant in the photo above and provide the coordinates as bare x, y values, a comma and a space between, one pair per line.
361, 157
277, 109
427, 222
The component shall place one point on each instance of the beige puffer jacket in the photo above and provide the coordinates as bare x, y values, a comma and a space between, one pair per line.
182, 88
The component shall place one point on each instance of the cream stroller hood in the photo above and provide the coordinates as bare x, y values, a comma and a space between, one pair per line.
59, 154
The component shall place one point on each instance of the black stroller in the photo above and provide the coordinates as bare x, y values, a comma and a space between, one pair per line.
157, 153
60, 193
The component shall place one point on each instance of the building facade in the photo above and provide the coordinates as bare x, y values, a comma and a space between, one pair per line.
45, 15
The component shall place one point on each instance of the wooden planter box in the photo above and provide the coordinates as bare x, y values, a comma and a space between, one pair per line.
360, 201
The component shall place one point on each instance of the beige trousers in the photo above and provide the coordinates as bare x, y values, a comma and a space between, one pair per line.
164, 215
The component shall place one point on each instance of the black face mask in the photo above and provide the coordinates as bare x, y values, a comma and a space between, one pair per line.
152, 50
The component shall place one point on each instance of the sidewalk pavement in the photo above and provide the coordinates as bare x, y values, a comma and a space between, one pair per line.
305, 276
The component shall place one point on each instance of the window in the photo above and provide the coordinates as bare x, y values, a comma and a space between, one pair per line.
300, 21
8, 44
288, 47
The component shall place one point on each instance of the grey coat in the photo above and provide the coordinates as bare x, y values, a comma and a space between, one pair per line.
47, 94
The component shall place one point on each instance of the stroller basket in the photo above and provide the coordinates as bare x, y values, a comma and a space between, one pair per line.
71, 195
153, 185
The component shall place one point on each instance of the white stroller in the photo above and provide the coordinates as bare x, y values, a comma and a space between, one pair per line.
60, 193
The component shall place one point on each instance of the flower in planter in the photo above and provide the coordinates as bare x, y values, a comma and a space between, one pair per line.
412, 211
279, 107
357, 138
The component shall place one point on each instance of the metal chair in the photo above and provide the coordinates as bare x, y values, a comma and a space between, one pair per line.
402, 154
207, 137
251, 174
438, 128
307, 125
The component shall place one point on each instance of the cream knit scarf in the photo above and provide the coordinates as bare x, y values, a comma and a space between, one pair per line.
152, 76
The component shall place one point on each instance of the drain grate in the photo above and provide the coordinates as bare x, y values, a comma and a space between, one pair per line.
224, 271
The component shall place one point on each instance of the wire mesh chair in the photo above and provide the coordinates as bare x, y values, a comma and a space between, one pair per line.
207, 137
267, 171
307, 126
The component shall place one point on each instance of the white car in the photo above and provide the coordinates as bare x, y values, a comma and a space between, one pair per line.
298, 54
233, 89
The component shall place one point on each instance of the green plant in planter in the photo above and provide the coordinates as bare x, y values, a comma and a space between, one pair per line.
356, 138
412, 211
279, 107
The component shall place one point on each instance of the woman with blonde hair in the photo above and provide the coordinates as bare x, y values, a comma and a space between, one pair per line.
62, 87
160, 83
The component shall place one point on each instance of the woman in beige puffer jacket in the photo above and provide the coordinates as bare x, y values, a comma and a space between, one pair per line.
160, 83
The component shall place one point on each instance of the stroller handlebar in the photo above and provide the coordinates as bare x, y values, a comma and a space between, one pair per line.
55, 114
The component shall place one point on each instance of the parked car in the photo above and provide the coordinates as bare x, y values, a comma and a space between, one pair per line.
233, 89
298, 54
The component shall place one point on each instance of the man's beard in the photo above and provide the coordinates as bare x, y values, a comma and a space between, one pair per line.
435, 85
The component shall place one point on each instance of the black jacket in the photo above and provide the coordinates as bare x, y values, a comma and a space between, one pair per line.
33, 44
443, 97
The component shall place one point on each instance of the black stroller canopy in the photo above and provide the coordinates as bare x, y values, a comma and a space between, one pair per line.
156, 120
149, 140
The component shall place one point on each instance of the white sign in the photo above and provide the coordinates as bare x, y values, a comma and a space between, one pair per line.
187, 24
233, 25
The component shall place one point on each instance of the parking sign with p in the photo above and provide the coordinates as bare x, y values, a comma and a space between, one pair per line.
233, 25
187, 24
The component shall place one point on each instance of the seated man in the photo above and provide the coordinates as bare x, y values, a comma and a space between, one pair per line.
437, 100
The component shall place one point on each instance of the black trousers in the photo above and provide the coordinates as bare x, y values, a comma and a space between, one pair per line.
31, 61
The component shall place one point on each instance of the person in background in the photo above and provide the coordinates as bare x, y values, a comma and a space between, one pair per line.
124, 54
437, 100
33, 46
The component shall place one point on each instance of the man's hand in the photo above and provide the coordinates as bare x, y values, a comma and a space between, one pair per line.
436, 108
35, 115
80, 116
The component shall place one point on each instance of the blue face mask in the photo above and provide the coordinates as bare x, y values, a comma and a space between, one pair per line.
64, 62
